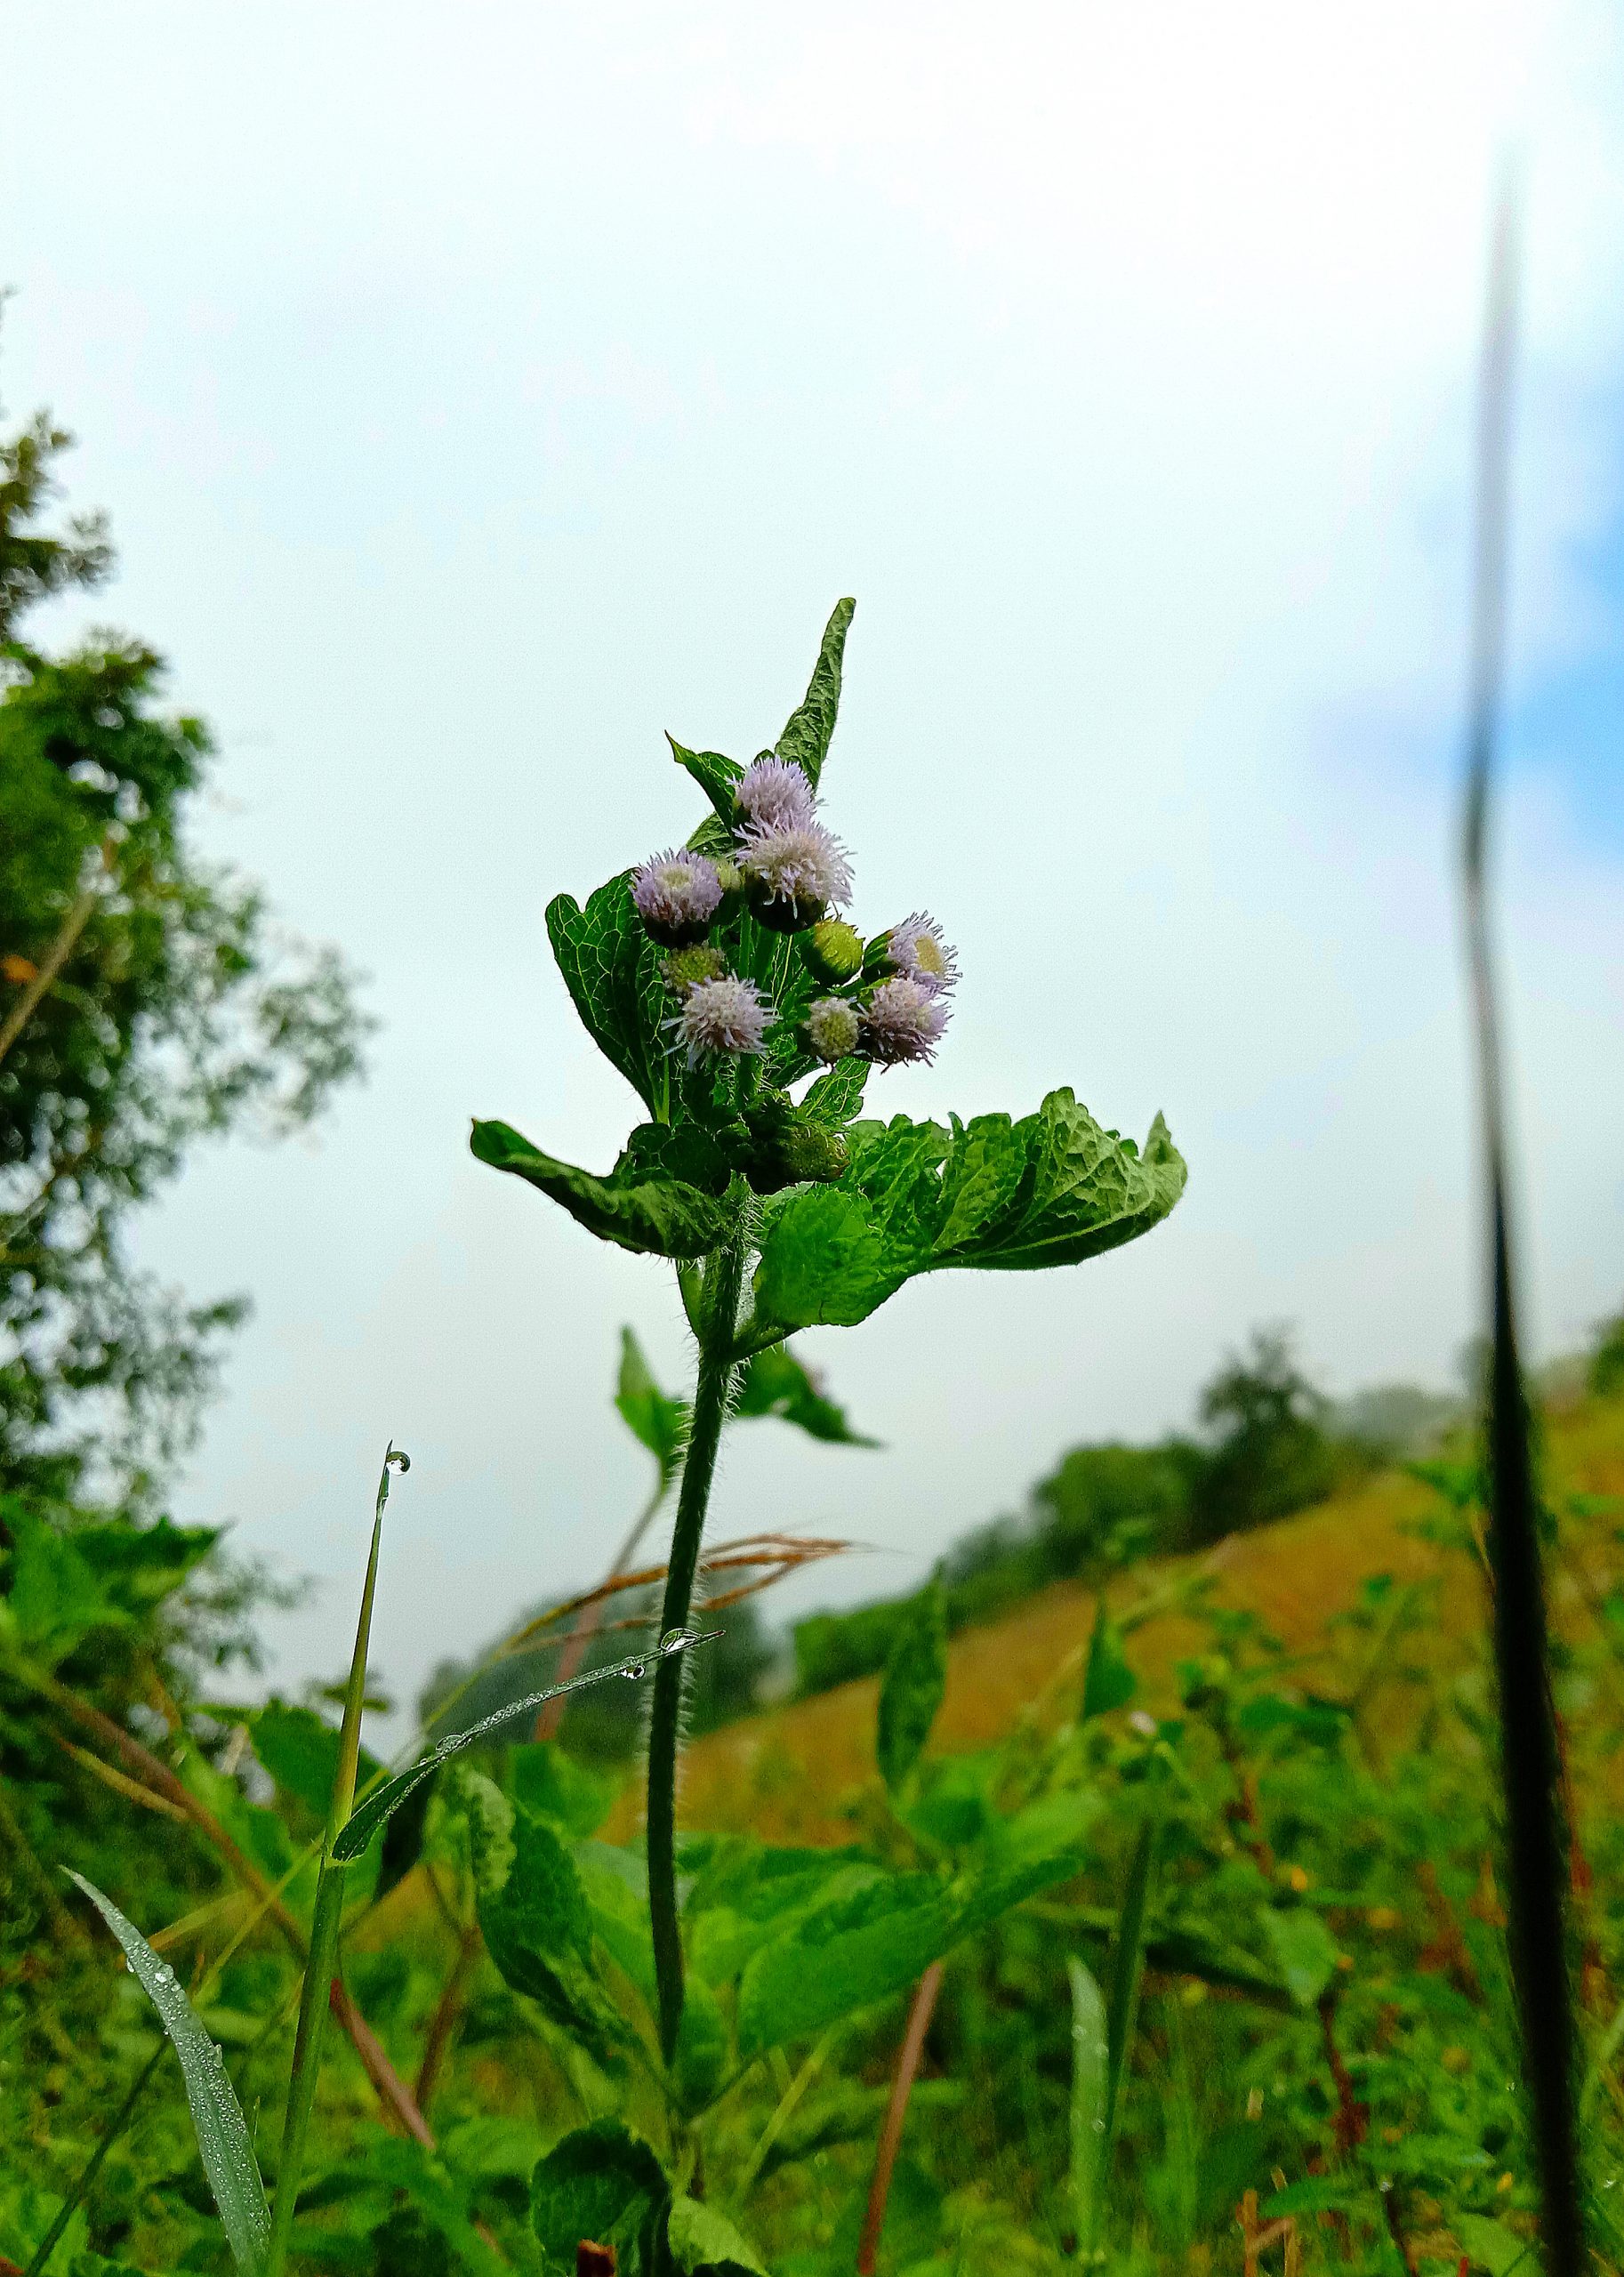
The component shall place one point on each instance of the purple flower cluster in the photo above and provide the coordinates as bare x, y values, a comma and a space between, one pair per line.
889, 1001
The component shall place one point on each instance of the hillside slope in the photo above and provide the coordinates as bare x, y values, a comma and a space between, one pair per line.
788, 1773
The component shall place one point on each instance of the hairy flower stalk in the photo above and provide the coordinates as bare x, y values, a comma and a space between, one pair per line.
719, 1313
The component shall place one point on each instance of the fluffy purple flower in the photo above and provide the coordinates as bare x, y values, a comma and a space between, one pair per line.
728, 1015
900, 1021
774, 794
676, 895
918, 950
794, 876
833, 1029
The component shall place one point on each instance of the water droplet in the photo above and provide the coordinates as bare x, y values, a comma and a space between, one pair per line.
633, 1670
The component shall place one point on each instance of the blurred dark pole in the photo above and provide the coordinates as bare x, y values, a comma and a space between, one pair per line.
1536, 1848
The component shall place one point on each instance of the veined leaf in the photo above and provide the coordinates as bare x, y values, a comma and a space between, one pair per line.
915, 1678
634, 1207
705, 2243
539, 1934
217, 2118
807, 733
300, 1750
877, 1941
836, 1098
1305, 1948
602, 2183
990, 1196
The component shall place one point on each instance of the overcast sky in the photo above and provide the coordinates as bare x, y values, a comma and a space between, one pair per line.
479, 390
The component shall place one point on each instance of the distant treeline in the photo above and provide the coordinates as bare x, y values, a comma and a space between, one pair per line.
1269, 1442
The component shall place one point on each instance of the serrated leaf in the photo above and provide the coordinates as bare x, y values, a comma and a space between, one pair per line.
910, 1691
805, 737
538, 1932
1305, 1948
602, 2183
989, 1195
658, 1421
868, 1946
217, 2118
774, 1382
705, 2244
635, 1207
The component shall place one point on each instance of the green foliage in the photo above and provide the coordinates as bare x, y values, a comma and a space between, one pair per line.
222, 2135
603, 2184
915, 1678
644, 1204
1606, 1367
992, 1195
1271, 1453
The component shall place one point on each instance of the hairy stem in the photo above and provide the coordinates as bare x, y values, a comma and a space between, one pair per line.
719, 1319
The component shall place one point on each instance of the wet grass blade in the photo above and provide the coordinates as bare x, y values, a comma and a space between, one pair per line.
1127, 1970
217, 2117
1530, 1764
1091, 2075
381, 1805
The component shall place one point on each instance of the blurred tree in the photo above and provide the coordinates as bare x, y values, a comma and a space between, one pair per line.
1269, 1449
146, 1000
1606, 1368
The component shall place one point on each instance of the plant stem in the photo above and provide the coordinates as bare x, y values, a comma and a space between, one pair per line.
896, 2112
723, 1283
320, 1990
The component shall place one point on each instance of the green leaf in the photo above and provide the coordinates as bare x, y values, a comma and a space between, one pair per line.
915, 1678
1498, 2250
549, 1781
705, 2243
1127, 1968
217, 2119
1089, 2126
807, 733
602, 2183
300, 1750
836, 1098
990, 1195
1304, 1948
139, 1566
659, 1423
376, 1811
538, 1932
878, 1941
635, 1208
55, 1599
1109, 1683
823, 1261
611, 969
774, 1382
714, 775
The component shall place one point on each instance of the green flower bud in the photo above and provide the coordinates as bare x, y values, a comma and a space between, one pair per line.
834, 950
835, 1028
785, 1149
685, 968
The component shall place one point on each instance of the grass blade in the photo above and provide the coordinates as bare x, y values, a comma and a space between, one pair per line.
217, 2117
1530, 1762
1126, 1969
1091, 2075
381, 1805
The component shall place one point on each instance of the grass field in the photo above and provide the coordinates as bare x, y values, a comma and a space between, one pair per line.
795, 1772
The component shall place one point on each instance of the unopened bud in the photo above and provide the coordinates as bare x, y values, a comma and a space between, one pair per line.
834, 950
833, 1028
685, 968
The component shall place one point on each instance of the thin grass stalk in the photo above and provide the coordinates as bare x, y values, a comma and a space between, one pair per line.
723, 1282
1529, 1762
319, 1990
896, 2115
588, 1616
84, 2180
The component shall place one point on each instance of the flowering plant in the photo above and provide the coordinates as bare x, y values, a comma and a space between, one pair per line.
717, 977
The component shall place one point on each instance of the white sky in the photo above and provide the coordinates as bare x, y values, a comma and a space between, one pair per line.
479, 390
